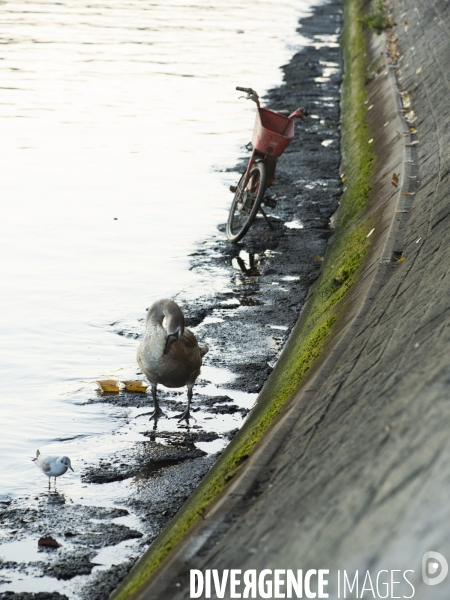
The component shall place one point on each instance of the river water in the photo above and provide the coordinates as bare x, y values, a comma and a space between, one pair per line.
118, 121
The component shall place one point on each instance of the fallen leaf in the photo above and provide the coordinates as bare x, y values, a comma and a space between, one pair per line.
344, 179
401, 259
370, 233
417, 241
418, 70
135, 386
408, 193
406, 101
48, 542
318, 258
108, 385
395, 180
371, 140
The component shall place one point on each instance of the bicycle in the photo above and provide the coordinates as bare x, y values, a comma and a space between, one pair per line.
272, 134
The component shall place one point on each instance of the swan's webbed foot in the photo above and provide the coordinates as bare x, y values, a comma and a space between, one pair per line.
184, 416
156, 414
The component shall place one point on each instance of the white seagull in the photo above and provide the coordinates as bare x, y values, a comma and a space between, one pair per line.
52, 466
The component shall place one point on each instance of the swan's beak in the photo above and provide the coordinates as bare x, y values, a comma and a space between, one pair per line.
171, 338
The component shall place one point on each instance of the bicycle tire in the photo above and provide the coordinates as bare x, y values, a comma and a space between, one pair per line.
239, 221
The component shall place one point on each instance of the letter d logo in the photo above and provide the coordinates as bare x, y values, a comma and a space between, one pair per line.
431, 562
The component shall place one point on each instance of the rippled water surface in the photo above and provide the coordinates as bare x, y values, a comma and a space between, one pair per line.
117, 119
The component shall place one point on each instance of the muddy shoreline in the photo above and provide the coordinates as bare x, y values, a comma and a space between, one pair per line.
258, 288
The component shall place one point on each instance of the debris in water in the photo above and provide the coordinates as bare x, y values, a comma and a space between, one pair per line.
135, 386
109, 385
48, 542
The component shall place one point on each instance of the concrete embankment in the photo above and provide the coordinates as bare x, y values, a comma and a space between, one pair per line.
354, 472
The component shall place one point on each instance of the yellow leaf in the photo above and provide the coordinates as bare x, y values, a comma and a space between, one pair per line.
401, 259
135, 386
109, 385
318, 258
395, 180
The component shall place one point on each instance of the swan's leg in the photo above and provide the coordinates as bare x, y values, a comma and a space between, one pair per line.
186, 415
157, 412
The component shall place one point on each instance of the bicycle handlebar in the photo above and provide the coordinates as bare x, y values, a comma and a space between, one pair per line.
246, 90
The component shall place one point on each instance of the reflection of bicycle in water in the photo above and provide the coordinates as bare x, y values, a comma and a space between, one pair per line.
251, 269
272, 134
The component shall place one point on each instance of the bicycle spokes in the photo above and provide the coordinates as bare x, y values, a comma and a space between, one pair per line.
247, 201
249, 193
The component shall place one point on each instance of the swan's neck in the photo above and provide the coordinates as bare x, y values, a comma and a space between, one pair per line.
170, 312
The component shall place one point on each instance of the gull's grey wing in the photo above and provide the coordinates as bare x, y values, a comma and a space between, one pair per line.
44, 463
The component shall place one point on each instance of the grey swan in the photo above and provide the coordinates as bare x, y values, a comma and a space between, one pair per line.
169, 353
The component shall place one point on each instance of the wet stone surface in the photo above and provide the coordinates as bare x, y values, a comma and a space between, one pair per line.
258, 288
143, 457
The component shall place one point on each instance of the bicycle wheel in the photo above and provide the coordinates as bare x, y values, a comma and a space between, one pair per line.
246, 202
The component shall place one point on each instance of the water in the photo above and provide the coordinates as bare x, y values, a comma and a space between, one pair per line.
118, 120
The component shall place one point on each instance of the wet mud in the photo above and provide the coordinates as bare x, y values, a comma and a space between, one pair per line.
257, 290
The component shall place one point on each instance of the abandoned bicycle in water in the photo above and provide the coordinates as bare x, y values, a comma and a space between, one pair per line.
272, 134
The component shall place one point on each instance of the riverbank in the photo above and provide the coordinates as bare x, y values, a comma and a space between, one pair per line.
354, 475
255, 291
309, 186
